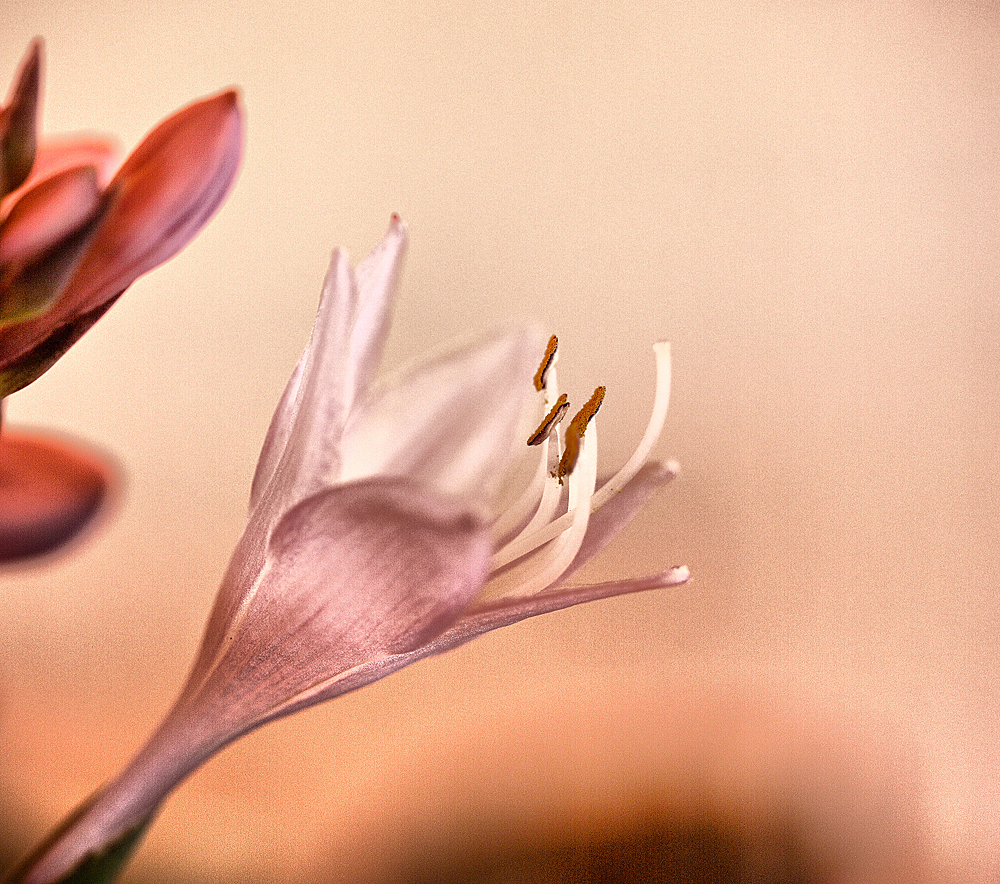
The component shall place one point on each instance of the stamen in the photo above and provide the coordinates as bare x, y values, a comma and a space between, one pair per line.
532, 505
543, 369
574, 433
542, 570
657, 417
548, 424
545, 528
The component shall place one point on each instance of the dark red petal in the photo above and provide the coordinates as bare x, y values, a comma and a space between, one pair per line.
165, 192
18, 122
31, 288
160, 198
47, 213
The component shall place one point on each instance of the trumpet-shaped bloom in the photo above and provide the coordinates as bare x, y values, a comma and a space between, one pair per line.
381, 530
71, 241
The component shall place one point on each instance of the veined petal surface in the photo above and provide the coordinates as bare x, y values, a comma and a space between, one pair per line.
360, 571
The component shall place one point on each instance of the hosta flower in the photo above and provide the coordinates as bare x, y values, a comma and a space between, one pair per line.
382, 529
71, 241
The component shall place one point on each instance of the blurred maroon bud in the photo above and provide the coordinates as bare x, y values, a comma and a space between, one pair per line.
165, 192
57, 153
49, 490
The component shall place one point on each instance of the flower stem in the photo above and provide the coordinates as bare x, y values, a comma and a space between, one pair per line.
93, 844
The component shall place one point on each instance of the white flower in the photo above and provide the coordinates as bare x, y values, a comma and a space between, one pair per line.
376, 536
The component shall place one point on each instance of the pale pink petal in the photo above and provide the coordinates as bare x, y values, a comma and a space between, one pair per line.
376, 280
47, 213
277, 435
301, 454
451, 422
49, 491
363, 570
338, 364
479, 620
612, 518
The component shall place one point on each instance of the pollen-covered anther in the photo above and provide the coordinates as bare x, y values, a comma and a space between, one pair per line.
547, 362
575, 431
548, 424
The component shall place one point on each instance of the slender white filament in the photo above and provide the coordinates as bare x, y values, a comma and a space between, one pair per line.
541, 531
534, 501
653, 429
550, 563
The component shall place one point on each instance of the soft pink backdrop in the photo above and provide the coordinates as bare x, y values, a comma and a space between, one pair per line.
803, 197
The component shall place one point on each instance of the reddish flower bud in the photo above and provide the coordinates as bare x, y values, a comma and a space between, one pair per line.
159, 199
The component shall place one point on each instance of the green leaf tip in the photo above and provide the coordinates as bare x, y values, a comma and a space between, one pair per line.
106, 866
100, 867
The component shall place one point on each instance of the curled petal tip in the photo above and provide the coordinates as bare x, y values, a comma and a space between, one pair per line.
676, 576
395, 237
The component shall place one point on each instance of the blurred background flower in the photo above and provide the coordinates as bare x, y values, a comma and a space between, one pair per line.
801, 196
70, 244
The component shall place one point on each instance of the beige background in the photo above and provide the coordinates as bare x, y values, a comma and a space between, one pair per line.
803, 197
